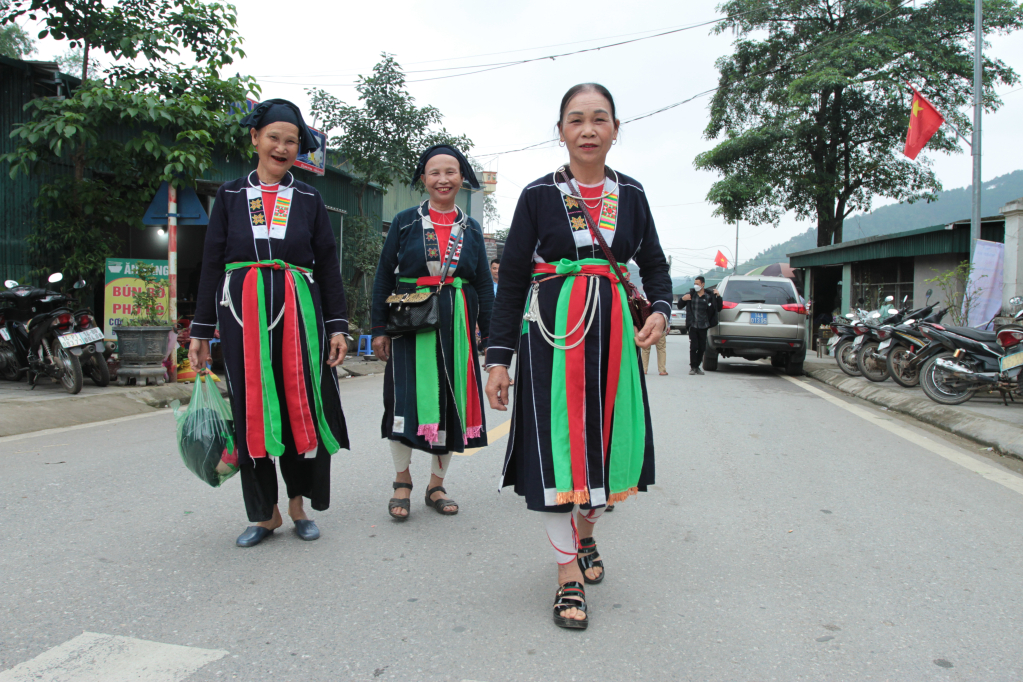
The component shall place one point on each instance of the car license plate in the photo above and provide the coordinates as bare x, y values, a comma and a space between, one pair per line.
81, 338
1010, 361
758, 318
858, 341
4, 334
885, 344
833, 341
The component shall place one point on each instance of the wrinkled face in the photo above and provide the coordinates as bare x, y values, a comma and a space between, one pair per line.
443, 179
277, 146
587, 128
494, 267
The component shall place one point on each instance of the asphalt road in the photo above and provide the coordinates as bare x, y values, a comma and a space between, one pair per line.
793, 535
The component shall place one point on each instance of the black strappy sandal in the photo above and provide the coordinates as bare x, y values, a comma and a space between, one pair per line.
398, 503
571, 595
442, 502
588, 558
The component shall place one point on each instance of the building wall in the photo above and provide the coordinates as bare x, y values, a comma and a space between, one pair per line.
928, 267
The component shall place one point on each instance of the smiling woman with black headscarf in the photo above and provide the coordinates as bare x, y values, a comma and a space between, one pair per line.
432, 289
270, 279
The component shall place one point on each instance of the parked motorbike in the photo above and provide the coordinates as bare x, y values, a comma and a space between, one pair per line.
905, 342
971, 360
93, 358
39, 336
868, 360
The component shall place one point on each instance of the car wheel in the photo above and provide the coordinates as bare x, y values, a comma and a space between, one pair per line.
710, 360
794, 368
778, 361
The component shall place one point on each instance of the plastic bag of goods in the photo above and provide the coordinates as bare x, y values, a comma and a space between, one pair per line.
206, 434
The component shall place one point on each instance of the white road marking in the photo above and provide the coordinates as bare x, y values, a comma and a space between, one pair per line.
92, 657
64, 429
989, 471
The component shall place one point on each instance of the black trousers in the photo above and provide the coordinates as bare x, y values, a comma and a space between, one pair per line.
697, 346
259, 481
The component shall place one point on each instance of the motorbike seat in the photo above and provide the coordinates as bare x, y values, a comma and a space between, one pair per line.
975, 334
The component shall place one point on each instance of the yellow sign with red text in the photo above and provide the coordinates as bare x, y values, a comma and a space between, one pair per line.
121, 285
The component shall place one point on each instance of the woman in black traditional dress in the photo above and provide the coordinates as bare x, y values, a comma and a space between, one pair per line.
433, 398
581, 436
270, 279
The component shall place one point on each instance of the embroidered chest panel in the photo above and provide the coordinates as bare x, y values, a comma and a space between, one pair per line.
272, 223
577, 221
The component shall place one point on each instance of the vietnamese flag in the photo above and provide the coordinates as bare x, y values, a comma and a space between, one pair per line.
924, 121
720, 260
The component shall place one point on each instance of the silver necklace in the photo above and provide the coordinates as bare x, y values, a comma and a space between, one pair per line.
463, 219
613, 190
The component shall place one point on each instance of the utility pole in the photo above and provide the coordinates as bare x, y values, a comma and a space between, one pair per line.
978, 92
735, 260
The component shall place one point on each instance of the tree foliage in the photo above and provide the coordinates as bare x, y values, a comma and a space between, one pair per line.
15, 42
175, 118
960, 293
71, 63
812, 107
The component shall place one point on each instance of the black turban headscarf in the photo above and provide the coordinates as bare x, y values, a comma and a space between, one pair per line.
445, 149
276, 110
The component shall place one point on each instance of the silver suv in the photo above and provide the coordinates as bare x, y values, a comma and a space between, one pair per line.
761, 317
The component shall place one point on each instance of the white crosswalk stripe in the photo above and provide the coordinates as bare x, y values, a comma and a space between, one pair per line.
93, 657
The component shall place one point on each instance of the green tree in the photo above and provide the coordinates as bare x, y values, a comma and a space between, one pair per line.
175, 115
813, 104
71, 63
15, 42
380, 142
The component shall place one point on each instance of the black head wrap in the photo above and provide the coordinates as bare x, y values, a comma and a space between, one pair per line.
277, 110
437, 150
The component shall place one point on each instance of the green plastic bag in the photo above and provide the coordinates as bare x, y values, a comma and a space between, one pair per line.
206, 434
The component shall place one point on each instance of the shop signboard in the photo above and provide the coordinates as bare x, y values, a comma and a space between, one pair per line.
121, 284
315, 161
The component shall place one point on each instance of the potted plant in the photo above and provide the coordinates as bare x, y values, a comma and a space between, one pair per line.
142, 343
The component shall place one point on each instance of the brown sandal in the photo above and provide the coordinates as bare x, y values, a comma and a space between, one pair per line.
398, 503
442, 502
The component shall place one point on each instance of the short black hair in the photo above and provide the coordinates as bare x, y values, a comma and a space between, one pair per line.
496, 260
700, 277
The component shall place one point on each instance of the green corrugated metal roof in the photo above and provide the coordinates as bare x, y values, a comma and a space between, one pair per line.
953, 238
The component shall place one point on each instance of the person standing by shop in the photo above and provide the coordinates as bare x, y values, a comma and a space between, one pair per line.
701, 313
433, 398
270, 280
581, 436
495, 265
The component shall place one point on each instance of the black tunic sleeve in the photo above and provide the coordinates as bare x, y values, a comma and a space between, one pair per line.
327, 273
383, 283
653, 266
204, 325
516, 273
484, 286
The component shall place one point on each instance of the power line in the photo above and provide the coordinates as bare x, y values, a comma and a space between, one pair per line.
753, 75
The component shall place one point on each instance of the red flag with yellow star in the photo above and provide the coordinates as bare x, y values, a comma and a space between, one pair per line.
720, 260
924, 121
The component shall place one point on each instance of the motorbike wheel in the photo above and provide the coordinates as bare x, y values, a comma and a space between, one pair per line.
937, 384
898, 360
869, 364
98, 370
71, 368
846, 358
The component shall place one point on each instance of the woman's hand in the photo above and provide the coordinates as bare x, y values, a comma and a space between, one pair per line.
198, 354
497, 387
338, 350
382, 347
651, 332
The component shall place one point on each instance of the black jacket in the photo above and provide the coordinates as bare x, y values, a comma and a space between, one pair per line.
713, 306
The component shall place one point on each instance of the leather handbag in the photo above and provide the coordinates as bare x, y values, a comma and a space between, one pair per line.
416, 311
638, 305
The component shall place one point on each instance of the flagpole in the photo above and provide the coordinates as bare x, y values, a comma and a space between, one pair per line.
978, 88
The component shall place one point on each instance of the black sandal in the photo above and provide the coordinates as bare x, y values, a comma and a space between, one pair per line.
398, 503
588, 558
571, 595
442, 502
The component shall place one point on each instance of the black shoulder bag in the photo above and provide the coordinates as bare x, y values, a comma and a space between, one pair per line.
418, 310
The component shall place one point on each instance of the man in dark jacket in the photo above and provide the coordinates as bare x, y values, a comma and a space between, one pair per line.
702, 308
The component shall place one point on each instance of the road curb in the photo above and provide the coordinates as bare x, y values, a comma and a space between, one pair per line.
18, 417
1004, 437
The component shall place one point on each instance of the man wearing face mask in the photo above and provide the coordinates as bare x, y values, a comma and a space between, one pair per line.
702, 308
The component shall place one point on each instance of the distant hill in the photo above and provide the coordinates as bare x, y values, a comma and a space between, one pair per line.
951, 205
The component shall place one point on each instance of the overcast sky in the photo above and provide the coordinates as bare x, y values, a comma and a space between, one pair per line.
514, 107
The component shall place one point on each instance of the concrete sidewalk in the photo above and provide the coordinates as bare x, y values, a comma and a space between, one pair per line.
984, 418
49, 406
